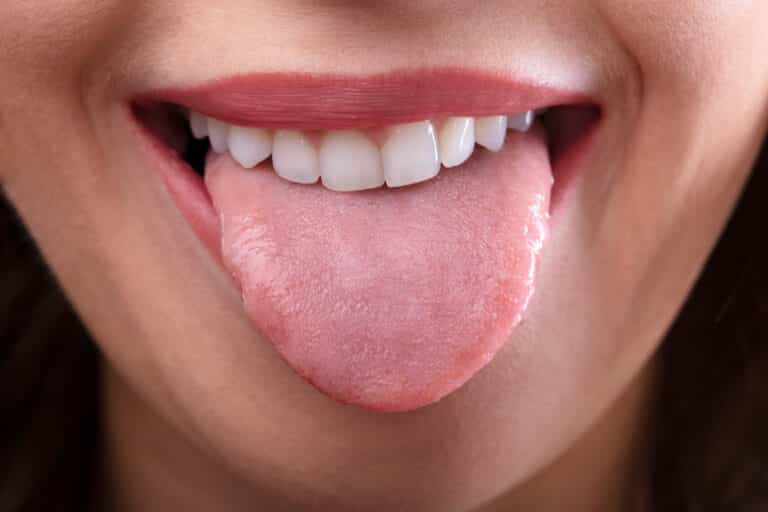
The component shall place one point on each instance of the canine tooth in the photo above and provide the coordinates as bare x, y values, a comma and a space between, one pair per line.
521, 122
249, 146
294, 157
457, 140
350, 161
491, 131
410, 154
218, 132
198, 124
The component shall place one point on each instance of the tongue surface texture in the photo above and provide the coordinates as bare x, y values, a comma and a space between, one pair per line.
393, 298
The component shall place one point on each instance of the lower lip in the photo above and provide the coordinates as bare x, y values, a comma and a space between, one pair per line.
428, 378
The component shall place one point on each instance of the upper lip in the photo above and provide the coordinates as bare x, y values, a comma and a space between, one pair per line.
313, 101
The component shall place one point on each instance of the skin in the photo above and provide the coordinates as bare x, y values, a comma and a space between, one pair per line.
201, 413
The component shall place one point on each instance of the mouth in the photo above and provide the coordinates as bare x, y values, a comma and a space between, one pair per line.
384, 231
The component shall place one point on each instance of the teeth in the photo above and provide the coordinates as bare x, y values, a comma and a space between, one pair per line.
218, 132
522, 122
198, 123
350, 161
249, 146
457, 140
490, 132
295, 158
410, 154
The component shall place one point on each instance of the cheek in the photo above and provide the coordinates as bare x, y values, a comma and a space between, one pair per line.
689, 147
46, 48
50, 40
703, 103
690, 47
702, 106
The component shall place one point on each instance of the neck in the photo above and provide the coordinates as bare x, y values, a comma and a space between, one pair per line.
607, 469
150, 467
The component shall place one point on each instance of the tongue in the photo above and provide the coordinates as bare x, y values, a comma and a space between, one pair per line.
393, 298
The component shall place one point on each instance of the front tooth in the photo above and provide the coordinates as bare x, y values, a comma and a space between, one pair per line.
249, 146
522, 122
350, 161
491, 131
198, 124
410, 154
294, 157
218, 133
457, 140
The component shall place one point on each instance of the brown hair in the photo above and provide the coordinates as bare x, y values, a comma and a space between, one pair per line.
48, 385
711, 438
711, 450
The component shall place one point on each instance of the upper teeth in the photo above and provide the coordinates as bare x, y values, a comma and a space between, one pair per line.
349, 160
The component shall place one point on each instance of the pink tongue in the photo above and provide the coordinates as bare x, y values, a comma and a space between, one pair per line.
388, 299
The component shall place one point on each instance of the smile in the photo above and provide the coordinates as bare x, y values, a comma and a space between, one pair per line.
398, 279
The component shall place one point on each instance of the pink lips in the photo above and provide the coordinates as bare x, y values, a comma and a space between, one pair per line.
319, 102
387, 299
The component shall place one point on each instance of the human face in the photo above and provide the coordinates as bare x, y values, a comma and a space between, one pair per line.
676, 93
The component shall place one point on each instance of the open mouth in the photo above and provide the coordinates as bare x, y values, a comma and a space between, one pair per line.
384, 232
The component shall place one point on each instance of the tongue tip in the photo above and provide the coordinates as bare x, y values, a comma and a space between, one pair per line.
380, 403
379, 386
392, 398
392, 405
